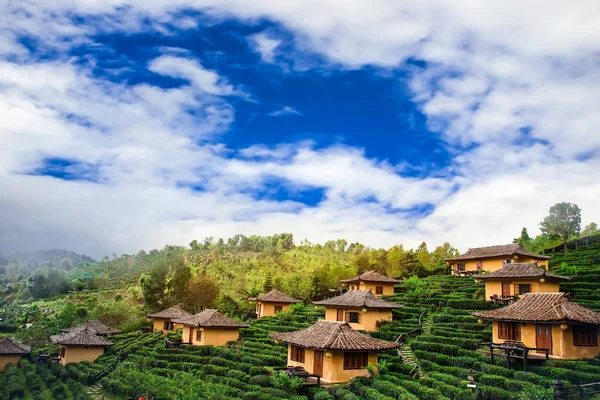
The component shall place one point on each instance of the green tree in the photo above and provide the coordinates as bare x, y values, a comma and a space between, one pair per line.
590, 230
563, 221
202, 291
524, 240
268, 285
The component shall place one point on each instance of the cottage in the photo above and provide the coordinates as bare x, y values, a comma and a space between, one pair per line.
11, 352
209, 327
516, 279
332, 350
492, 258
163, 320
80, 344
272, 303
371, 280
547, 321
361, 309
95, 326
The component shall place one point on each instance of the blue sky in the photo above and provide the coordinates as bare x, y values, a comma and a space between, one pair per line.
131, 125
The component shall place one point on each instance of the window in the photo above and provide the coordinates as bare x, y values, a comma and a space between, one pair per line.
378, 289
356, 360
168, 326
479, 265
198, 335
522, 288
509, 330
278, 309
509, 261
460, 267
297, 353
352, 317
585, 335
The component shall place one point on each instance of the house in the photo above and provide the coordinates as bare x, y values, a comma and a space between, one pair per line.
95, 326
332, 350
516, 279
80, 344
163, 320
361, 309
371, 280
11, 352
272, 303
209, 327
492, 258
547, 321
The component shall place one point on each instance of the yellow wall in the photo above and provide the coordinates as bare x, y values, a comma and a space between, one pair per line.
333, 365
388, 288
159, 324
562, 341
494, 264
210, 336
367, 320
4, 360
495, 287
268, 309
75, 354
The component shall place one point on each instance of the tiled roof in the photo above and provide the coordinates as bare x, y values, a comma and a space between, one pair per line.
359, 299
522, 271
10, 347
170, 313
96, 327
504, 250
210, 318
275, 296
80, 336
543, 307
332, 335
371, 276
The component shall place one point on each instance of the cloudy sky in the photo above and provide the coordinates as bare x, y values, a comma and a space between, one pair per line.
130, 124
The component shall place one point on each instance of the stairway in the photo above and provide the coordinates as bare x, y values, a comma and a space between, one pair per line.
407, 357
426, 325
94, 392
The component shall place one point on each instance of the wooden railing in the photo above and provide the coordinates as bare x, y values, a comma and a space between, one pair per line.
574, 391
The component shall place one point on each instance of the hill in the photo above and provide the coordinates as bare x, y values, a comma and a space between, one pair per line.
29, 261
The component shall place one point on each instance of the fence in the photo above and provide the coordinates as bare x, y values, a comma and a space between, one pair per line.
575, 391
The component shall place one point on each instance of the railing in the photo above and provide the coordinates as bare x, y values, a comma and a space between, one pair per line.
574, 391
514, 351
415, 331
109, 367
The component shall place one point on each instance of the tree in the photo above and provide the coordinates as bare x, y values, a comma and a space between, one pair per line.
268, 285
166, 283
563, 221
524, 240
202, 292
590, 230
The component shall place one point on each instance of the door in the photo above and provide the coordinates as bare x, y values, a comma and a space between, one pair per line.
318, 364
340, 314
543, 337
191, 335
505, 289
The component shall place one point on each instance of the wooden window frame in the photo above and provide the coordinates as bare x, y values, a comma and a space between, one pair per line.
585, 336
278, 309
461, 267
353, 317
198, 335
354, 361
378, 289
297, 353
519, 288
168, 325
509, 330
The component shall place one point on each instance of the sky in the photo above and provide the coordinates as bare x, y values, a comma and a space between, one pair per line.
131, 124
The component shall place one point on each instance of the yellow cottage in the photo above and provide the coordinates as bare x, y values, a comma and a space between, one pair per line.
492, 258
332, 350
11, 352
163, 320
371, 280
547, 321
209, 327
359, 308
80, 344
516, 279
272, 303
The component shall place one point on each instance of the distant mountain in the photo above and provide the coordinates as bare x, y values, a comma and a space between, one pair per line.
29, 261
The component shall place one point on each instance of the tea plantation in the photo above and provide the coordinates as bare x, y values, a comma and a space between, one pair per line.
440, 351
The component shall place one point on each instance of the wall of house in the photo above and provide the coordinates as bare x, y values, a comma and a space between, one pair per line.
494, 264
268, 309
388, 288
495, 287
309, 360
75, 354
210, 336
367, 321
4, 360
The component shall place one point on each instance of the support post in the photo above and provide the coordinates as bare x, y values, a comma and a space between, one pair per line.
492, 352
525, 356
558, 389
507, 358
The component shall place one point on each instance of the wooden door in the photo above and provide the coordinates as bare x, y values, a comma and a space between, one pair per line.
505, 289
340, 314
191, 335
543, 337
318, 364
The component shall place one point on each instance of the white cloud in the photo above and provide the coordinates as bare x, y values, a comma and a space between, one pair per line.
265, 45
283, 111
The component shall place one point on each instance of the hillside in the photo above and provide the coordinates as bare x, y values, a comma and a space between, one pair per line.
28, 261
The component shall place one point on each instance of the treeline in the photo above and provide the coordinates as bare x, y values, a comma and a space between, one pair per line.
30, 261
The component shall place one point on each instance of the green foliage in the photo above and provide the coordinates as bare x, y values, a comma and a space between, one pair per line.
563, 221
282, 380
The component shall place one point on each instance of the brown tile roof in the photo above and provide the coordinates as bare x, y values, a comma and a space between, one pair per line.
370, 276
80, 336
543, 307
504, 250
521, 271
10, 347
332, 335
275, 296
210, 318
170, 313
359, 299
95, 326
